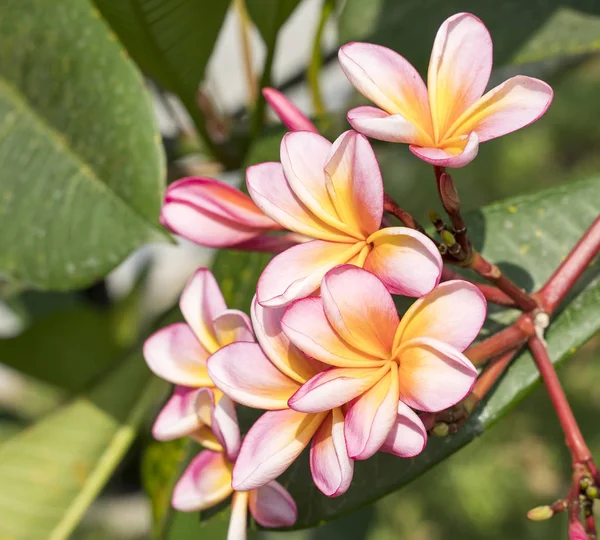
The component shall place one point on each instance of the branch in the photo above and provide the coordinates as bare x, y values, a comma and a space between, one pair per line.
491, 293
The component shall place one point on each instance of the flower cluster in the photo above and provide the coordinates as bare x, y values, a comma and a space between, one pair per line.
334, 365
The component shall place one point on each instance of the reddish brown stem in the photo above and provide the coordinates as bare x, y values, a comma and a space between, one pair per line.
590, 525
491, 293
579, 450
565, 276
488, 378
391, 206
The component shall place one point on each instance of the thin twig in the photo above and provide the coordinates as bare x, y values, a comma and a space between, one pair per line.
491, 293
391, 206
316, 59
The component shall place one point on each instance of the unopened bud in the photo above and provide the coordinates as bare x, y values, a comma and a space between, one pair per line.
440, 430
591, 492
585, 483
434, 216
448, 238
540, 513
449, 194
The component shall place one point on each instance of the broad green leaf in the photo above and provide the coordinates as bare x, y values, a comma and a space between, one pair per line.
521, 31
171, 40
269, 16
52, 471
82, 165
533, 232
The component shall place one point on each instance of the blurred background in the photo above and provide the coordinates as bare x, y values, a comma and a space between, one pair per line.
483, 491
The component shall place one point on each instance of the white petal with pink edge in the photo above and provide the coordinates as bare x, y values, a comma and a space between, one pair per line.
179, 416
232, 325
378, 124
224, 423
272, 506
408, 436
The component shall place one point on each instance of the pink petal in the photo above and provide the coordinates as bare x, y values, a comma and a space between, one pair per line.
174, 354
277, 346
360, 309
271, 191
297, 272
272, 506
433, 375
405, 260
577, 531
205, 482
243, 372
443, 158
201, 303
378, 124
334, 388
354, 183
212, 213
512, 105
453, 312
232, 325
371, 416
272, 444
459, 69
408, 436
293, 118
224, 423
307, 327
179, 416
388, 80
238, 522
330, 465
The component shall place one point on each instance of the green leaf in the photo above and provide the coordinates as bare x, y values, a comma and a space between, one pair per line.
82, 165
51, 472
521, 31
533, 232
171, 40
269, 16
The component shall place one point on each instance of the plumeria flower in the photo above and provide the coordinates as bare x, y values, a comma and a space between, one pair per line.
383, 367
333, 193
292, 117
266, 379
207, 482
444, 122
178, 354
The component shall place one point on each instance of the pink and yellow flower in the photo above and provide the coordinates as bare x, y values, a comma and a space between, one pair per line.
207, 482
444, 122
269, 375
333, 193
382, 367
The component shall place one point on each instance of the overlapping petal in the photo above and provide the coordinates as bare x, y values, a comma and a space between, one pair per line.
179, 416
272, 444
454, 157
408, 436
405, 260
433, 375
331, 467
225, 426
205, 482
272, 506
232, 325
378, 124
453, 312
293, 118
174, 354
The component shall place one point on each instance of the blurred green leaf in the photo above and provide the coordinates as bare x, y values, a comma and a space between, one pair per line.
521, 31
51, 472
269, 16
82, 165
171, 40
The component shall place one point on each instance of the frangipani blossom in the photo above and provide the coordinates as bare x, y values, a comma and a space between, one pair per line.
384, 367
266, 379
178, 354
333, 193
444, 122
207, 482
292, 117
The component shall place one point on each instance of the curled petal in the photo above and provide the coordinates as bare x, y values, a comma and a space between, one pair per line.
389, 81
378, 124
293, 118
360, 309
212, 213
180, 416
307, 327
286, 357
272, 506
245, 374
331, 467
453, 312
201, 303
459, 69
205, 482
408, 436
433, 375
405, 260
232, 325
456, 159
225, 427
272, 444
354, 183
238, 522
174, 354
371, 417
334, 388
297, 272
